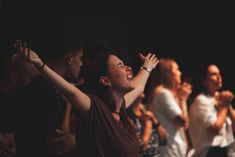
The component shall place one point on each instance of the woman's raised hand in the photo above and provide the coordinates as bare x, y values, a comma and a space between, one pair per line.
150, 60
28, 54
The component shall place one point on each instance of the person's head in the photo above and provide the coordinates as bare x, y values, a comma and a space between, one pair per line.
212, 79
167, 74
64, 56
108, 76
72, 63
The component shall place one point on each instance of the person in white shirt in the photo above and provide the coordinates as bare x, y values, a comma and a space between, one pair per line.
167, 100
211, 117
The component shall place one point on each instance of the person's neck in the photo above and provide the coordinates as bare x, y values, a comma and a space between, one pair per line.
119, 99
169, 87
211, 92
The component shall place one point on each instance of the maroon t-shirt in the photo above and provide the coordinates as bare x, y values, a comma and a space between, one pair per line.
99, 134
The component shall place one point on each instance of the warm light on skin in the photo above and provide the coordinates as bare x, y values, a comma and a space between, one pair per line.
119, 74
213, 80
176, 73
74, 65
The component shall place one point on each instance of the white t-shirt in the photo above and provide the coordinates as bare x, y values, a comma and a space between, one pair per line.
166, 109
203, 114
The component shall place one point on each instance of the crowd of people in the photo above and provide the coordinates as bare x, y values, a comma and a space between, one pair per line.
49, 109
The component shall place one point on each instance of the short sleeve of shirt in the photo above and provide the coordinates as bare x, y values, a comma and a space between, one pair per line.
204, 111
101, 135
168, 104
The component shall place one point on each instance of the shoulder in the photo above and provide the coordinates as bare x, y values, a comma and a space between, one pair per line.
161, 91
97, 102
201, 98
201, 103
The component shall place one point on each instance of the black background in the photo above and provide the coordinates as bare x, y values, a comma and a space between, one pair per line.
193, 33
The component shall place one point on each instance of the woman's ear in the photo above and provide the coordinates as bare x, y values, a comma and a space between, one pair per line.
105, 81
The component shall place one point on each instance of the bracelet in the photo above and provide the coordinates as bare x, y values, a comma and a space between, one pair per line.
40, 68
149, 70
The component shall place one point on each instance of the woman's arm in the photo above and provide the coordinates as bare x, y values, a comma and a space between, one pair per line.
183, 119
76, 97
183, 93
139, 81
65, 124
224, 101
147, 133
231, 113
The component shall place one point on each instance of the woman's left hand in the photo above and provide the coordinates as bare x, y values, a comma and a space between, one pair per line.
150, 60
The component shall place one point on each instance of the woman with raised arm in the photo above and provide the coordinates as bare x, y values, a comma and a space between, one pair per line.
103, 129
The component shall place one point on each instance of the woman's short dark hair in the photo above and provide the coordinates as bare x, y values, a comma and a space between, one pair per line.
96, 69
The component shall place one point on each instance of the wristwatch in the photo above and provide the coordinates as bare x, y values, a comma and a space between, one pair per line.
149, 70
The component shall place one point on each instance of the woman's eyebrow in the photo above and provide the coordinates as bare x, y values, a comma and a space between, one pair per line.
120, 63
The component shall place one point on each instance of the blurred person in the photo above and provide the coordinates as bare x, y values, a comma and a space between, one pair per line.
16, 74
149, 131
168, 101
46, 114
211, 117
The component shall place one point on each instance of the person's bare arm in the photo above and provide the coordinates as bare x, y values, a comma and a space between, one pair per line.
76, 97
147, 133
139, 81
65, 124
183, 93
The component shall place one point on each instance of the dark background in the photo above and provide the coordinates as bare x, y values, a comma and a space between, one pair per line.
193, 33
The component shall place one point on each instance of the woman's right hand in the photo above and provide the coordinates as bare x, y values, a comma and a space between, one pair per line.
28, 54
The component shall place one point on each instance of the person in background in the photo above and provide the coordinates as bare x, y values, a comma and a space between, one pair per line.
16, 74
168, 101
149, 131
211, 117
46, 114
